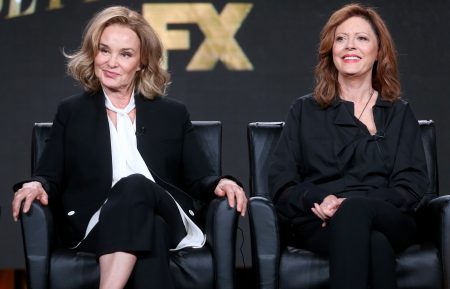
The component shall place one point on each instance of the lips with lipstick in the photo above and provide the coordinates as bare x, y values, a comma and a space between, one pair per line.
110, 74
351, 58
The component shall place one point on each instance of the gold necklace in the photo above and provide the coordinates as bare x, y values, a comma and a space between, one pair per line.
370, 97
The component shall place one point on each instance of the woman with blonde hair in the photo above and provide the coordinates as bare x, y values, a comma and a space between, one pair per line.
124, 159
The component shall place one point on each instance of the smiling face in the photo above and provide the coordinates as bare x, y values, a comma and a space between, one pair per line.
355, 48
118, 59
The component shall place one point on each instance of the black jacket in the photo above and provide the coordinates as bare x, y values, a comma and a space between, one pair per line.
329, 151
76, 166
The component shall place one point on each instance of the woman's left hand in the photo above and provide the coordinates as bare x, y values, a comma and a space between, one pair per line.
234, 193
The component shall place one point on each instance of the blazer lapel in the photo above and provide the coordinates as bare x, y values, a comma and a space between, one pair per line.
101, 134
148, 116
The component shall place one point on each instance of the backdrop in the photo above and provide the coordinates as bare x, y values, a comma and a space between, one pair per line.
237, 62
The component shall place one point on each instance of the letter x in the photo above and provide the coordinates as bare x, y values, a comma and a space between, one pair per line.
219, 31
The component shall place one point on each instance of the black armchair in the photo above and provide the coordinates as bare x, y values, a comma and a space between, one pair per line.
424, 265
51, 266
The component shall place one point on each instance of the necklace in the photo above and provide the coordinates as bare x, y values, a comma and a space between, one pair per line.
364, 108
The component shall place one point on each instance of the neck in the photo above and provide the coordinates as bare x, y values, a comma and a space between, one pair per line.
119, 99
355, 92
355, 89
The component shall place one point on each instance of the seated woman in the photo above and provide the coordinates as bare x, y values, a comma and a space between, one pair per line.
349, 170
124, 160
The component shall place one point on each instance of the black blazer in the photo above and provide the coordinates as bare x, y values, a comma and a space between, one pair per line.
76, 165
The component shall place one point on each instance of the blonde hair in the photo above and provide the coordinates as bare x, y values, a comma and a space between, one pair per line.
151, 80
385, 76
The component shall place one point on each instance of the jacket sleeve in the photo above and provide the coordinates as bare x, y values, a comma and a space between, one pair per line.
200, 178
291, 194
408, 181
50, 167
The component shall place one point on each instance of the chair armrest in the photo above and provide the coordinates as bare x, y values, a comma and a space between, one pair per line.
265, 242
37, 234
221, 227
439, 210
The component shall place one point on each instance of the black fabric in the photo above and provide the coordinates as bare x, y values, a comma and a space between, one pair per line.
330, 152
152, 267
352, 223
362, 230
76, 160
52, 266
422, 265
126, 220
382, 262
331, 149
347, 241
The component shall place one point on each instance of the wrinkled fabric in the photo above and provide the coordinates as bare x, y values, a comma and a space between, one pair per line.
329, 151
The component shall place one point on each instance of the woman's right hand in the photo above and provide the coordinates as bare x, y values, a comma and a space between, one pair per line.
27, 194
327, 208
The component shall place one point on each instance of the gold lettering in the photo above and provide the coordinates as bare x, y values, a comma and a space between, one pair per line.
55, 4
15, 6
219, 31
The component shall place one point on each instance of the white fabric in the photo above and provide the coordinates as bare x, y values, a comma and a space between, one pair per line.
127, 160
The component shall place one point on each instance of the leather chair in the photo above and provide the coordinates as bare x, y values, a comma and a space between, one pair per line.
49, 265
424, 265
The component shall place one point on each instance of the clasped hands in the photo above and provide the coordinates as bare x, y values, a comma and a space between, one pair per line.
327, 208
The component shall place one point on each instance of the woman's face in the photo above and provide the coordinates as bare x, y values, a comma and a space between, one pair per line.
355, 48
118, 58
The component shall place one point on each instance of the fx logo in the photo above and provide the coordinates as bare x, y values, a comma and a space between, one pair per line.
219, 31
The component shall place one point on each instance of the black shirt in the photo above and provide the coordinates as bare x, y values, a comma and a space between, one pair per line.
329, 151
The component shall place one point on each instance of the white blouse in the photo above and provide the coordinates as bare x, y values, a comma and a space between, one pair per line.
127, 160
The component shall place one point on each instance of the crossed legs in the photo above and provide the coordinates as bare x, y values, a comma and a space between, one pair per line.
137, 226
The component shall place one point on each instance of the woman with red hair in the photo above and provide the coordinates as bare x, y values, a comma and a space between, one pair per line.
349, 171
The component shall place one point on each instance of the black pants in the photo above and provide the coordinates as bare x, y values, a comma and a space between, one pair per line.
361, 241
140, 218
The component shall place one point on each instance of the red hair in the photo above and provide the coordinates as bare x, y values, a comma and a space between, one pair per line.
385, 78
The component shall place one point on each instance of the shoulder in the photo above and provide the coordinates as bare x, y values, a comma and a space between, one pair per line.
401, 106
162, 107
80, 100
401, 112
171, 103
307, 99
401, 103
161, 103
307, 102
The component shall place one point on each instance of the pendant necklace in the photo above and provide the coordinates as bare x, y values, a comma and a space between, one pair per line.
364, 109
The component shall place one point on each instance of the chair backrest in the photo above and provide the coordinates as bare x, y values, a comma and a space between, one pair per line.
262, 140
263, 137
428, 131
209, 134
210, 139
